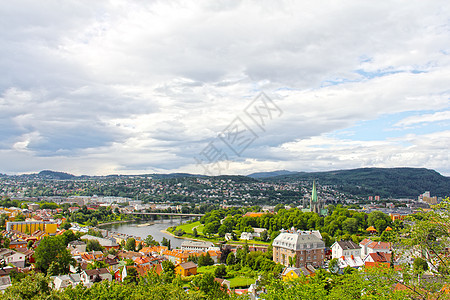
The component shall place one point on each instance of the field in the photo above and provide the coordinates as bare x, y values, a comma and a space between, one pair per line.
236, 278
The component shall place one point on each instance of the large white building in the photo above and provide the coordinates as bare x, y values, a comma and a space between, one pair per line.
306, 247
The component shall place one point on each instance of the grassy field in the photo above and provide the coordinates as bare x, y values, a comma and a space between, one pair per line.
189, 227
240, 281
236, 280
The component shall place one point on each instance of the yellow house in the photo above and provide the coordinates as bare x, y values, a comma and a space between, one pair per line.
186, 269
290, 273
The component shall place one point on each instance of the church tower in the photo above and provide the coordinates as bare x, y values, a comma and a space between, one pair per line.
314, 202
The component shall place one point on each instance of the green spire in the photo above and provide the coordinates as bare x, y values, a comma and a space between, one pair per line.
314, 192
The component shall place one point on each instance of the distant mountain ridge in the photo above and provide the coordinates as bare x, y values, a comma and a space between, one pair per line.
385, 182
259, 175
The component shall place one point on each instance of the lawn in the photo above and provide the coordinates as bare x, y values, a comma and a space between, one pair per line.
238, 280
189, 227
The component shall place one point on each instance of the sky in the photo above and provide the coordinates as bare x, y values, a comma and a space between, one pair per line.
223, 87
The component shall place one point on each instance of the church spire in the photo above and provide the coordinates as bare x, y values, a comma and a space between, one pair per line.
314, 193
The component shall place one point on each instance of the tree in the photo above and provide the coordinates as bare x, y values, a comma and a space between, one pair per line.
231, 260
93, 245
350, 225
379, 220
35, 286
205, 260
264, 235
150, 241
53, 249
194, 232
220, 271
292, 260
333, 266
165, 242
420, 265
130, 245
132, 275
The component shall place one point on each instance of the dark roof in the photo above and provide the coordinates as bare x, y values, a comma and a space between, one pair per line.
188, 265
346, 245
96, 271
6, 271
16, 242
74, 243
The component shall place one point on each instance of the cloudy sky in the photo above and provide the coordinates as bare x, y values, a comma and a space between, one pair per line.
132, 87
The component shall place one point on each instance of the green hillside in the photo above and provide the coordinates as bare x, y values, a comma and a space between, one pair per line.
385, 182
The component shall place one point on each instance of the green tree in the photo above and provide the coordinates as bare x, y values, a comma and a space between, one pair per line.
165, 242
130, 245
194, 232
150, 241
220, 271
420, 265
205, 260
35, 286
93, 245
231, 260
53, 249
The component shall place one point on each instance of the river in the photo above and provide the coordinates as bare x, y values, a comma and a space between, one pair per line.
154, 230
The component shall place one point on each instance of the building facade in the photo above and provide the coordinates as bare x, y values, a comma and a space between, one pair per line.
299, 248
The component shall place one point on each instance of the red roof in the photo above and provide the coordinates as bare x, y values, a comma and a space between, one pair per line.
379, 246
381, 257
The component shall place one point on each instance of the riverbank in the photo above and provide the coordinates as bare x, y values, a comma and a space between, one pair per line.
115, 222
180, 237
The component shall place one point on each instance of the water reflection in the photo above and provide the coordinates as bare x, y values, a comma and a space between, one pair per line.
154, 229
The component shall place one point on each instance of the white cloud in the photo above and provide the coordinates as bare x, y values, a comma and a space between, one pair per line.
127, 86
426, 118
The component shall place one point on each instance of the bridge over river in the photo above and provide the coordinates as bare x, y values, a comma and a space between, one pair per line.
171, 215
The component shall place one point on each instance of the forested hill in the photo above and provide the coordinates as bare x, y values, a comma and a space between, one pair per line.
385, 182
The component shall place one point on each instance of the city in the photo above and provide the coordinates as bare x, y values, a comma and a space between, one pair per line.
225, 238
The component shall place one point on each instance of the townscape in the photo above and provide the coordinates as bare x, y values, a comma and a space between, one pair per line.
318, 242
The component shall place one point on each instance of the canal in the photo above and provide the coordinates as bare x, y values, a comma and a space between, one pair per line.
138, 229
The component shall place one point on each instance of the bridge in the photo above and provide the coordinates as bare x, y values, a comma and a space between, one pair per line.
166, 214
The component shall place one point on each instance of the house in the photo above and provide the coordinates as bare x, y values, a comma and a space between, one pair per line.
350, 261
17, 259
90, 276
290, 273
63, 281
28, 254
5, 282
377, 258
369, 246
345, 248
105, 243
246, 236
223, 282
177, 256
305, 247
17, 244
80, 246
6, 271
196, 245
186, 269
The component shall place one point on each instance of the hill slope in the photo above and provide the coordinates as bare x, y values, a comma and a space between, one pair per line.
385, 182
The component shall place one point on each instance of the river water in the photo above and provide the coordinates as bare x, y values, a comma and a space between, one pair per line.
154, 230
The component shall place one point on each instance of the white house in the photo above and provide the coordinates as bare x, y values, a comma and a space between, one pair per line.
15, 258
63, 281
88, 276
5, 282
350, 261
345, 248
